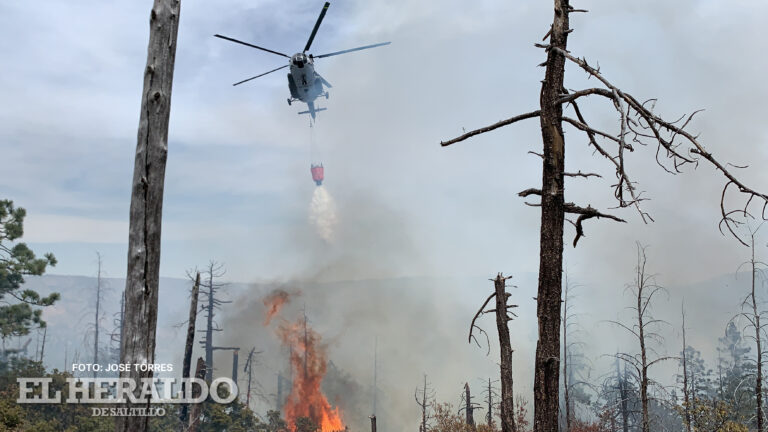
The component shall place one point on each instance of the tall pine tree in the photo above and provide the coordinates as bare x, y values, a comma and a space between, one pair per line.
20, 310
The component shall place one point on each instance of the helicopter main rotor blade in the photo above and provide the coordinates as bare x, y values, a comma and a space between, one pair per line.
352, 49
250, 45
260, 75
317, 26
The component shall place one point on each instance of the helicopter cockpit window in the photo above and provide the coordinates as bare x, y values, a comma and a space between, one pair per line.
299, 61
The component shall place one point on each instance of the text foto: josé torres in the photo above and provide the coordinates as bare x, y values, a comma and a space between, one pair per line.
122, 367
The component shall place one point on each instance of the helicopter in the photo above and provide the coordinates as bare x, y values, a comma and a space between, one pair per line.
304, 83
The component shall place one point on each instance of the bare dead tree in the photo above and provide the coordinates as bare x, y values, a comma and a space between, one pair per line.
373, 423
638, 125
97, 318
503, 313
143, 272
490, 393
209, 290
249, 362
643, 289
427, 395
566, 354
187, 362
468, 407
750, 311
686, 389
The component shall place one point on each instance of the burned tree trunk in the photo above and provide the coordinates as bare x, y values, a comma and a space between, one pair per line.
753, 317
373, 423
249, 368
566, 374
235, 356
190, 342
507, 396
489, 414
194, 418
643, 288
427, 395
503, 316
547, 368
469, 408
96, 318
209, 330
646, 425
211, 288
142, 277
758, 342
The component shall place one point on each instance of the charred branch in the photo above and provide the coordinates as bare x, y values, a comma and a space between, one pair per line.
474, 326
586, 213
497, 125
581, 174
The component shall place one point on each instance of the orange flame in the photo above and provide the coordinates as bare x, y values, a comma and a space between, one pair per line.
274, 302
309, 362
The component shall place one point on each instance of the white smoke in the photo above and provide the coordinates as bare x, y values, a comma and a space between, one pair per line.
322, 213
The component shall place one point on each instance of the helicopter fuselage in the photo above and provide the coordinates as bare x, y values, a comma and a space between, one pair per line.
304, 83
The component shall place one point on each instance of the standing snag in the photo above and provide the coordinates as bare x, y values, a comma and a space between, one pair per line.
750, 310
427, 399
212, 302
503, 316
468, 408
643, 289
143, 273
189, 344
97, 315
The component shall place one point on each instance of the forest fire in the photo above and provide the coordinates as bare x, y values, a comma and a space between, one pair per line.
274, 302
309, 364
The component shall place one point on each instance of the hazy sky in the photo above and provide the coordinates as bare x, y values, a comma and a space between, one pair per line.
238, 185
